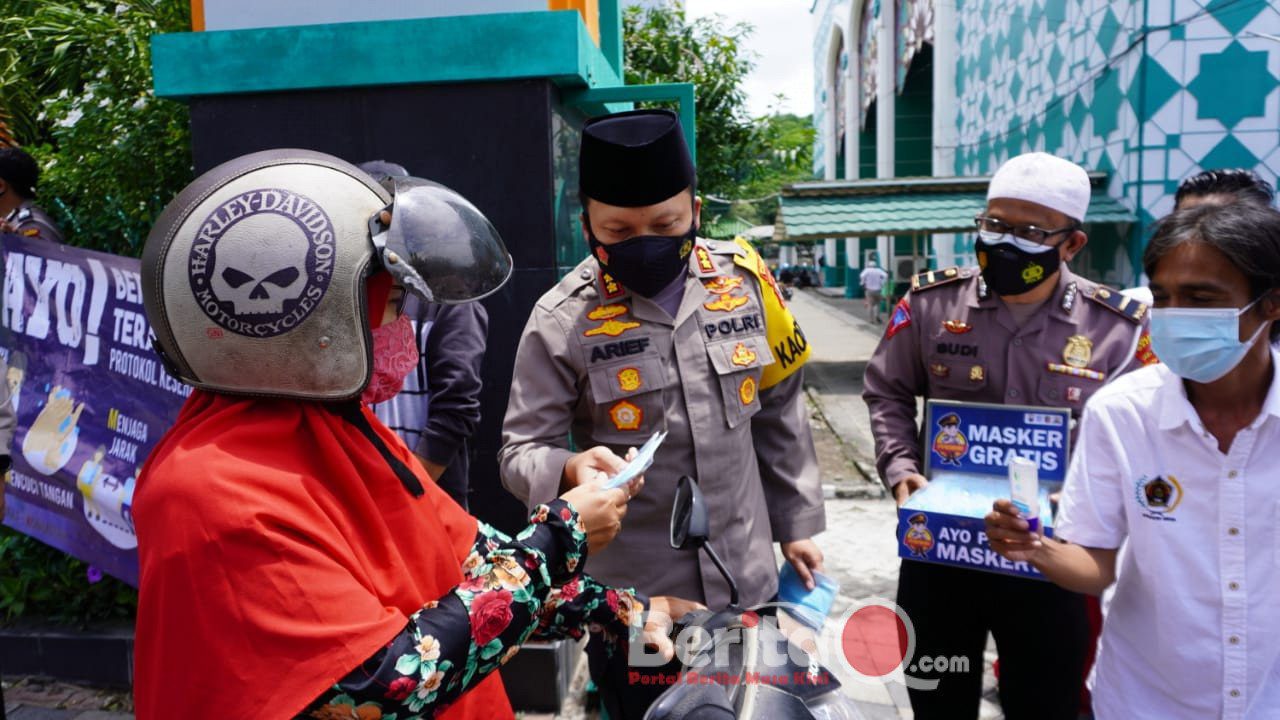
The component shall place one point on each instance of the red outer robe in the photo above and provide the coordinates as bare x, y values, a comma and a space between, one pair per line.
278, 552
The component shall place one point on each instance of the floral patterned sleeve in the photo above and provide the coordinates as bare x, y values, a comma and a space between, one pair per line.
584, 602
454, 642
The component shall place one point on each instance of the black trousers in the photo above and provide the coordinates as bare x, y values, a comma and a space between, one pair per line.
1041, 632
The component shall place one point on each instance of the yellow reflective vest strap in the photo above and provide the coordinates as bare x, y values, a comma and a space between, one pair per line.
786, 339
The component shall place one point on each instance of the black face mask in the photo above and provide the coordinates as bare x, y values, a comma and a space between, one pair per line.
644, 264
1009, 270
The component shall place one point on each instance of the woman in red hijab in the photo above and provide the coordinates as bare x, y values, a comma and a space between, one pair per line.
296, 560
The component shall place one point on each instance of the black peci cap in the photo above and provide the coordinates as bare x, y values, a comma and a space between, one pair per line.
634, 159
19, 170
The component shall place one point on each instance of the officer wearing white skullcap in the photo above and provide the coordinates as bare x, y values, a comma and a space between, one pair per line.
1023, 331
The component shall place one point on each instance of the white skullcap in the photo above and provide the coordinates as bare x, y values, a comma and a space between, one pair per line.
1045, 180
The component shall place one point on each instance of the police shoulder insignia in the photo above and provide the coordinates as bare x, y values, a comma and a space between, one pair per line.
31, 232
900, 320
936, 278
1119, 303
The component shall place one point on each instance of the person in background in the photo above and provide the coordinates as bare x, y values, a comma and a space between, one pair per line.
873, 278
437, 410
1224, 186
18, 212
1024, 331
1177, 463
1217, 187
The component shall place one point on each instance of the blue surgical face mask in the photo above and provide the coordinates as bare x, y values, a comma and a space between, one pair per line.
1200, 344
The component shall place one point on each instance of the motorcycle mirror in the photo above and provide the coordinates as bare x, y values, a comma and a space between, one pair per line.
690, 528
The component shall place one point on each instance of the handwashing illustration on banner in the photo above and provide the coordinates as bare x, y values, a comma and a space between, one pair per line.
52, 438
91, 398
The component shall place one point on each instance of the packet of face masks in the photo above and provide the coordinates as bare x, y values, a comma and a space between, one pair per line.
642, 461
808, 606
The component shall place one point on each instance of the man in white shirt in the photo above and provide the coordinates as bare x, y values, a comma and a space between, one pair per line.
1180, 461
873, 279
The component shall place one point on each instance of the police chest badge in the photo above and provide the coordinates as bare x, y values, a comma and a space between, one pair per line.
629, 379
1078, 352
743, 356
626, 416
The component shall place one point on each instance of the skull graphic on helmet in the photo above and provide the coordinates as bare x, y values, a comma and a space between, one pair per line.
265, 264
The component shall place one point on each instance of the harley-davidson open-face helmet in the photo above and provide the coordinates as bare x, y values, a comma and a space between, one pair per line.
254, 276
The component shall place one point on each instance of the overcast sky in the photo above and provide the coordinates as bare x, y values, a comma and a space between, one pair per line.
783, 43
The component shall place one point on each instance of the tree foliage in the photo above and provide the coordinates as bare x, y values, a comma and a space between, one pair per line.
738, 156
75, 90
663, 45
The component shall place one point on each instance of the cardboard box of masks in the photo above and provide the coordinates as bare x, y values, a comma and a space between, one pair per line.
967, 450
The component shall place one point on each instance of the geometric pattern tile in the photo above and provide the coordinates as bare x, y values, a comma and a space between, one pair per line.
1233, 85
1156, 88
1229, 153
1235, 15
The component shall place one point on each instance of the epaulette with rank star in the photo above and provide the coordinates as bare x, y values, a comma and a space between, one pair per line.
1119, 303
936, 278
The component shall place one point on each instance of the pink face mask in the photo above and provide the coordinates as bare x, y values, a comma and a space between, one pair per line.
395, 355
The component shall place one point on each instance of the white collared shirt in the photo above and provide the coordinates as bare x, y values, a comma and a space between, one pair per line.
1194, 628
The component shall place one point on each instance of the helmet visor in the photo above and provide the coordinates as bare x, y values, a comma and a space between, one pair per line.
439, 246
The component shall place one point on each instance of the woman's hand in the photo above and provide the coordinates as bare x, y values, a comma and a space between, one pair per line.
601, 511
1010, 535
664, 612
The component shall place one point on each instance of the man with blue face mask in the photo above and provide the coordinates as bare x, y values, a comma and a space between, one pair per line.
1178, 462
1023, 331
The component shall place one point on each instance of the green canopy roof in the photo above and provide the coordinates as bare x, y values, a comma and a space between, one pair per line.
905, 206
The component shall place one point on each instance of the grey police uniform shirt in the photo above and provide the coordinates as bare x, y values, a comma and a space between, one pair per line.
32, 222
611, 369
961, 343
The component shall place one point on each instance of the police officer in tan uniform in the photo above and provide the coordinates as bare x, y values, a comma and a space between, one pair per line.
661, 331
18, 213
1023, 331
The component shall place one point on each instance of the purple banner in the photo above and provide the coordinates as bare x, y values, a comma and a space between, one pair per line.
90, 395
